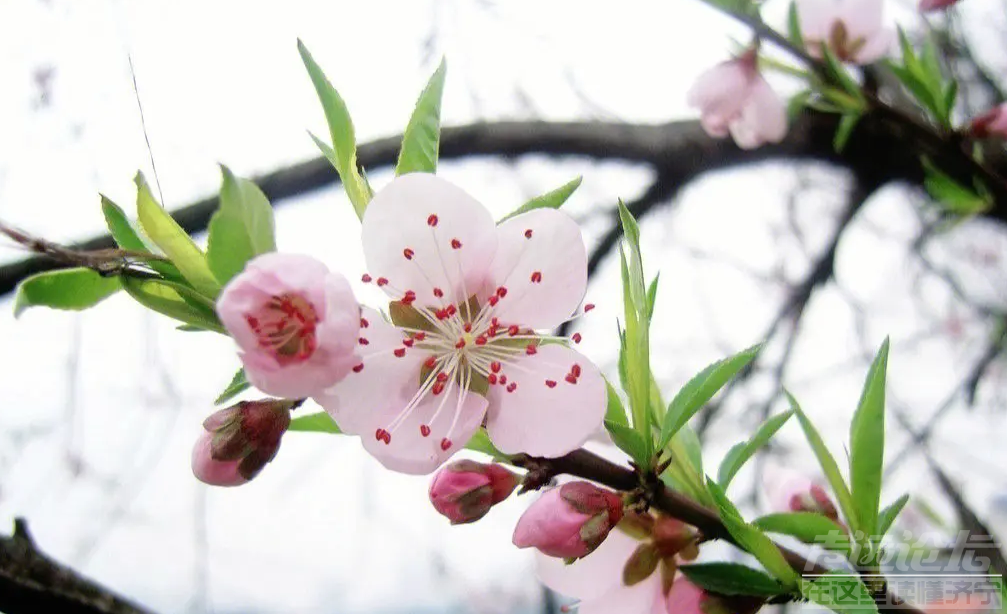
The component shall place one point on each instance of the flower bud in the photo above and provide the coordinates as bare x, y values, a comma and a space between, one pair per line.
687, 598
570, 521
464, 491
815, 499
990, 123
239, 441
936, 5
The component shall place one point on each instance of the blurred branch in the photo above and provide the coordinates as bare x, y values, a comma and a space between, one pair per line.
681, 149
31, 582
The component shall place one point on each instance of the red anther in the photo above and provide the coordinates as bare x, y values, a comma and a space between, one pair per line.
407, 342
442, 377
442, 314
424, 430
481, 340
501, 291
491, 378
432, 220
512, 330
399, 352
456, 244
431, 362
382, 281
364, 323
358, 368
437, 388
570, 377
438, 293
495, 366
408, 253
492, 300
503, 379
511, 387
493, 330
365, 278
460, 344
575, 370
468, 327
530, 350
550, 383
408, 299
536, 277
576, 337
527, 234
495, 322
420, 336
363, 341
445, 444
383, 435
452, 310
588, 307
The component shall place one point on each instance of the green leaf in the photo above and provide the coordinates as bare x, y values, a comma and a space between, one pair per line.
128, 239
652, 297
175, 301
752, 539
844, 131
549, 200
888, 515
809, 527
700, 389
66, 289
637, 367
843, 79
956, 198
241, 229
319, 422
738, 455
615, 412
421, 140
841, 592
343, 153
867, 445
239, 383
826, 461
794, 26
165, 232
480, 442
732, 579
629, 441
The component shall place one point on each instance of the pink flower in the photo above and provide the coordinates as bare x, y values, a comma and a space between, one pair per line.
569, 522
464, 491
295, 323
991, 123
239, 441
792, 491
854, 30
468, 296
734, 98
936, 5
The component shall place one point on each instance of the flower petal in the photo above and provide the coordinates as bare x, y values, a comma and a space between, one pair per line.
421, 232
542, 261
875, 47
545, 413
592, 576
216, 473
863, 18
719, 92
816, 17
642, 598
763, 120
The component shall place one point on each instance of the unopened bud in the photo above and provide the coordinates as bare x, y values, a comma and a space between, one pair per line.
815, 499
238, 441
570, 521
990, 123
936, 5
687, 598
464, 491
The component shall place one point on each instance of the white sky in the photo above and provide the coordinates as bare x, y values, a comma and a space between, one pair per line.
102, 408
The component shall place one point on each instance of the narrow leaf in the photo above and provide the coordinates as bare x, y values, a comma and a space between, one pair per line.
867, 444
239, 383
165, 232
319, 422
888, 515
809, 527
629, 441
421, 140
738, 455
700, 389
66, 289
549, 200
844, 131
732, 579
241, 229
615, 412
344, 144
826, 461
652, 297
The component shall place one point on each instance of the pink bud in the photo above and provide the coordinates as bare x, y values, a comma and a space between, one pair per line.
814, 499
570, 521
295, 322
464, 491
687, 598
991, 123
238, 441
936, 5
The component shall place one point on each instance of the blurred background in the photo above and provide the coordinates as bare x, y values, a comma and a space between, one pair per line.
818, 253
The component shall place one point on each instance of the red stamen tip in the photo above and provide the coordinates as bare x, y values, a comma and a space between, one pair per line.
399, 352
442, 377
420, 336
491, 378
460, 344
571, 378
588, 307
468, 327
358, 368
407, 342
432, 220
438, 293
365, 278
503, 379
512, 387
530, 350
437, 388
481, 340
575, 370
536, 277
431, 362
512, 330
456, 244
576, 337
495, 367
383, 435
408, 253
550, 383
501, 291
527, 234
492, 300
424, 430
445, 444
363, 341
382, 281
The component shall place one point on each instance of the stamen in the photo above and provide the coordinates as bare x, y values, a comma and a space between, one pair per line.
550, 383
383, 435
501, 291
432, 220
382, 281
438, 293
365, 278
363, 341
445, 444
399, 352
527, 234
425, 430
431, 362
530, 350
576, 337
512, 387
408, 253
456, 244
491, 378
588, 307
358, 368
364, 323
571, 378
536, 277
